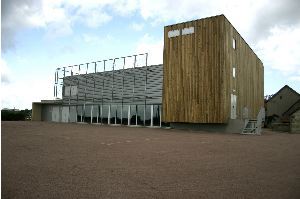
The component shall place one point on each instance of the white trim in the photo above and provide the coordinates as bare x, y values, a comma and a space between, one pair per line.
233, 43
173, 33
233, 72
188, 31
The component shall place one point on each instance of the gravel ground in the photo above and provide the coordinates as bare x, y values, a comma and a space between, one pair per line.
52, 160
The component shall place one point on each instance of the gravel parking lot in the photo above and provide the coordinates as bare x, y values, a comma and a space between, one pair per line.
54, 160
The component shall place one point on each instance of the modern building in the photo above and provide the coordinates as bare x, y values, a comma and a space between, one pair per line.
129, 96
210, 79
211, 75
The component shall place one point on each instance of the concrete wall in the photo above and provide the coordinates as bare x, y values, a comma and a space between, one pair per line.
36, 112
233, 126
46, 112
295, 122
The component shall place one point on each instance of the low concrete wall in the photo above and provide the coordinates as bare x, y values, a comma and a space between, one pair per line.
295, 122
284, 127
233, 126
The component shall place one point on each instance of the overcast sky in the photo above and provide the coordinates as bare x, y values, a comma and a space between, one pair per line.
40, 35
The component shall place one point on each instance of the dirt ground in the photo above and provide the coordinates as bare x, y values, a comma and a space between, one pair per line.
52, 160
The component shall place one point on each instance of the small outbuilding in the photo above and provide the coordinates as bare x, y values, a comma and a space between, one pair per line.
281, 106
295, 122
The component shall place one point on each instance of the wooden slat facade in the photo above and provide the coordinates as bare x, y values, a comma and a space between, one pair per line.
198, 82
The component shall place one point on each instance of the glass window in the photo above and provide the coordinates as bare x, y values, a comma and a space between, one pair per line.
95, 113
87, 113
118, 114
156, 115
233, 43
79, 111
133, 110
148, 115
233, 72
113, 114
125, 115
140, 114
104, 116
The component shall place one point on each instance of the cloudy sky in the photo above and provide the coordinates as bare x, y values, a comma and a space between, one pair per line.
37, 36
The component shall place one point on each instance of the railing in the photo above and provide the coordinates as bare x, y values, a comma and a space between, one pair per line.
131, 61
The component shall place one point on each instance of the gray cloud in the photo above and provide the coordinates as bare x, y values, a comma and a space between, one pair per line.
14, 17
5, 79
275, 14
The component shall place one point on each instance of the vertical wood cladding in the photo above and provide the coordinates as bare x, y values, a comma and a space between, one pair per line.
249, 81
198, 79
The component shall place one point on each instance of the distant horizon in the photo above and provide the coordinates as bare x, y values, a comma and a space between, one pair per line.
59, 99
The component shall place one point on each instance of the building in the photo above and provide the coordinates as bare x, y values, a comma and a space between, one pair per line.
110, 97
295, 122
281, 105
211, 75
210, 79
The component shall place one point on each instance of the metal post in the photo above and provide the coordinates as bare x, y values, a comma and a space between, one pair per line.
84, 98
136, 114
103, 77
64, 71
87, 68
71, 70
133, 91
151, 123
116, 115
108, 122
145, 90
55, 82
77, 100
101, 114
69, 105
159, 116
92, 114
124, 58
97, 114
54, 91
112, 86
128, 115
93, 97
81, 114
79, 68
95, 67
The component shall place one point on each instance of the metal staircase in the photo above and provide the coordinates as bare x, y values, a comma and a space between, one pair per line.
253, 126
250, 128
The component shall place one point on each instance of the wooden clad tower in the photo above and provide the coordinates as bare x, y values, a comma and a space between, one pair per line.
211, 75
